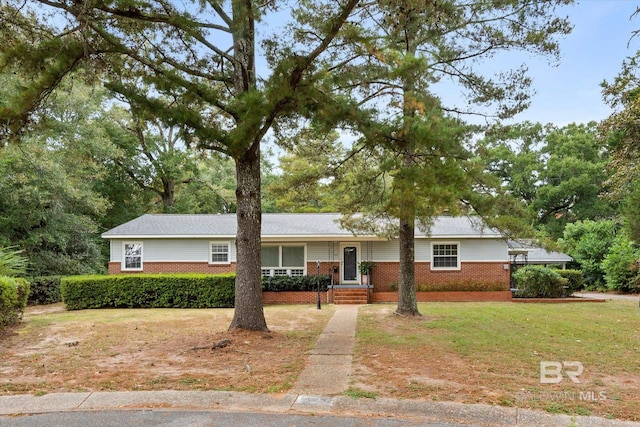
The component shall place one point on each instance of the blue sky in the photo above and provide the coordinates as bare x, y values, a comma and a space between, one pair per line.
593, 52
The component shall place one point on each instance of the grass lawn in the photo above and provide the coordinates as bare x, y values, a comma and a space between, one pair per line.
491, 353
466, 352
54, 350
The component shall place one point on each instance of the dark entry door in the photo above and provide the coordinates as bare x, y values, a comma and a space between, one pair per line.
350, 264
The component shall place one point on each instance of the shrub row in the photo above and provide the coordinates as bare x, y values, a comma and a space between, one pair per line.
462, 285
44, 290
534, 281
148, 291
13, 299
575, 279
167, 290
297, 283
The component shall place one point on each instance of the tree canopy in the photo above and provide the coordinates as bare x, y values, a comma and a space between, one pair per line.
620, 132
558, 173
197, 61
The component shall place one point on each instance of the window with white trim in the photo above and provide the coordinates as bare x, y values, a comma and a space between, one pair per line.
132, 256
283, 260
445, 256
219, 253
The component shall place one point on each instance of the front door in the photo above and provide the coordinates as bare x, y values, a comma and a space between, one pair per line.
350, 256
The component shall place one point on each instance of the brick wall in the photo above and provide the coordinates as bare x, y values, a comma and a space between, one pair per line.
386, 273
480, 296
294, 297
176, 267
382, 276
326, 268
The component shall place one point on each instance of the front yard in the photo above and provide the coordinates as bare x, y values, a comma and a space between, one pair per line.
491, 353
155, 349
466, 352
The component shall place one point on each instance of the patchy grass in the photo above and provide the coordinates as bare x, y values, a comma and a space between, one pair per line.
491, 353
356, 393
151, 349
466, 352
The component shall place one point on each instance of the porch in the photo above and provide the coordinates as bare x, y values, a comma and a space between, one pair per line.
351, 294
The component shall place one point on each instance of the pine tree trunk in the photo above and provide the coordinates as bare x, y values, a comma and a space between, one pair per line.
248, 312
407, 302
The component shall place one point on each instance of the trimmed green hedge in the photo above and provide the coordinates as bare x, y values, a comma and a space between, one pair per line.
462, 286
296, 283
534, 281
169, 290
575, 279
13, 299
44, 290
148, 291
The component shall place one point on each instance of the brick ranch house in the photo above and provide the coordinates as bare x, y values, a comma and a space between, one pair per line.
458, 250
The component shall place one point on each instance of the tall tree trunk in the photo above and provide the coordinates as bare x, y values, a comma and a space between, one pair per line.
407, 302
248, 312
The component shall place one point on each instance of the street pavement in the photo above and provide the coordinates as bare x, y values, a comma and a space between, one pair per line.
315, 400
181, 418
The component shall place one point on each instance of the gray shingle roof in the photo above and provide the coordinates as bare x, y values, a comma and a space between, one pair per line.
536, 254
273, 225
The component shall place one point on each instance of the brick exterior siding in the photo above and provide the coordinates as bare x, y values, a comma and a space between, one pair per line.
382, 276
386, 273
295, 297
480, 296
176, 267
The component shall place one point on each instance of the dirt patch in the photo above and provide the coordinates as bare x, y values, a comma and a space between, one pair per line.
58, 351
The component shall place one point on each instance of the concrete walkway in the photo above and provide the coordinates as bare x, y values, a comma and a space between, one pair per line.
329, 365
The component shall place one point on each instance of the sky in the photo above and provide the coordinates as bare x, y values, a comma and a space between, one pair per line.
601, 39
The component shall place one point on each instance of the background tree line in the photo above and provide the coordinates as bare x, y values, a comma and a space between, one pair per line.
112, 109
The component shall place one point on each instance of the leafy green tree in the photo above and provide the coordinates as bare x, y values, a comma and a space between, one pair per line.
620, 265
399, 185
125, 199
620, 132
589, 242
198, 62
572, 178
513, 154
153, 156
48, 209
558, 173
630, 212
212, 190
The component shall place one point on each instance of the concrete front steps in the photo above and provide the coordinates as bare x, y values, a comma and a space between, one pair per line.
351, 296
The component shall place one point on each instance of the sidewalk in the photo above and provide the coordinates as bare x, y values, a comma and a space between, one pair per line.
329, 366
317, 391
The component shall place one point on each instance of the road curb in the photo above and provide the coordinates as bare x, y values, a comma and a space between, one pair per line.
427, 411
